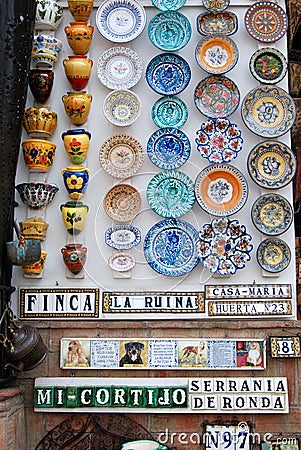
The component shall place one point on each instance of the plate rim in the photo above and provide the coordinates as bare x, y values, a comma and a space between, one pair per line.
178, 101
115, 186
260, 4
216, 71
109, 231
176, 16
268, 50
286, 246
281, 198
117, 92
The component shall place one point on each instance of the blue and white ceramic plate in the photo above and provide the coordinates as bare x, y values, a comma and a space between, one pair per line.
273, 255
216, 54
272, 214
120, 20
121, 107
168, 74
169, 30
122, 237
169, 112
170, 193
168, 5
170, 247
168, 148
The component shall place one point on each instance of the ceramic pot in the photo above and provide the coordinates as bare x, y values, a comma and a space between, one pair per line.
41, 82
79, 36
45, 51
37, 195
78, 71
37, 267
143, 445
80, 9
74, 216
76, 143
76, 181
39, 122
74, 256
77, 106
38, 154
34, 228
49, 15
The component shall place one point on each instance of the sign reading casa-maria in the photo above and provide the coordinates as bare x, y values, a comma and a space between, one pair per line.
254, 395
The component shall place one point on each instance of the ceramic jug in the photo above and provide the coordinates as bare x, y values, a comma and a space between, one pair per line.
74, 256
143, 445
76, 181
79, 36
39, 122
49, 15
80, 9
40, 83
74, 216
78, 70
76, 143
77, 106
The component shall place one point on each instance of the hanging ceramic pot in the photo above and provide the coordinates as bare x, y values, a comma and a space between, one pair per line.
80, 9
74, 256
34, 228
74, 216
39, 122
41, 82
76, 143
37, 195
45, 51
37, 267
78, 71
77, 106
38, 154
79, 36
49, 15
76, 181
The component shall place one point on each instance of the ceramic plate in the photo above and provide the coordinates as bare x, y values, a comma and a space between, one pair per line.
266, 21
221, 190
219, 140
122, 237
168, 5
216, 96
168, 148
169, 30
268, 65
119, 68
122, 203
121, 156
271, 164
216, 54
120, 20
216, 5
169, 112
170, 193
170, 247
168, 74
122, 262
273, 255
121, 107
268, 111
272, 214
224, 246
223, 23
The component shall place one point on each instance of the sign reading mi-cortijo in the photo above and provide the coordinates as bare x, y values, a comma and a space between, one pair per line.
180, 395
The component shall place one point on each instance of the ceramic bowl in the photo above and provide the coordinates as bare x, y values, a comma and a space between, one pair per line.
45, 51
38, 154
40, 122
37, 195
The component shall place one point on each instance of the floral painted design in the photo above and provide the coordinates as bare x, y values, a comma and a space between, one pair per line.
268, 112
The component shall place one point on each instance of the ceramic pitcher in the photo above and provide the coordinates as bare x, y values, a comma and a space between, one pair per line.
79, 36
77, 106
76, 143
78, 70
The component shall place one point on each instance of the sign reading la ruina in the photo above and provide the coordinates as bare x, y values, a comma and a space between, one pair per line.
178, 395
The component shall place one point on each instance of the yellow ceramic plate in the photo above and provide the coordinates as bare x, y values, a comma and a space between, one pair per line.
216, 54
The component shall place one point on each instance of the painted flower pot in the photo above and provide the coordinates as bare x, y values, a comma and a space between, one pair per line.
79, 36
37, 267
74, 216
74, 256
77, 106
49, 15
34, 228
39, 122
37, 195
45, 51
80, 9
41, 82
38, 154
76, 181
78, 71
76, 143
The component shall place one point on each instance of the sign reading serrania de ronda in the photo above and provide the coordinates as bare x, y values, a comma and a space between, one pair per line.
254, 395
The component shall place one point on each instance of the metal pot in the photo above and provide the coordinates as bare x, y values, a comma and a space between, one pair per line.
23, 251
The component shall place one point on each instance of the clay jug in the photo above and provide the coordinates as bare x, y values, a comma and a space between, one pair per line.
76, 181
78, 70
74, 216
74, 256
76, 143
77, 106
79, 36
80, 9
41, 82
39, 122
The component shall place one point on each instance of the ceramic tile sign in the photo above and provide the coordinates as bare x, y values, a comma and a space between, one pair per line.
285, 347
221, 354
227, 437
177, 395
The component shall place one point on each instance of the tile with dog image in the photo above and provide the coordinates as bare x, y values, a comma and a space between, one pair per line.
192, 353
76, 352
133, 353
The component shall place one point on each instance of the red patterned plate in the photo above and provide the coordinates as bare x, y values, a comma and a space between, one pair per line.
266, 21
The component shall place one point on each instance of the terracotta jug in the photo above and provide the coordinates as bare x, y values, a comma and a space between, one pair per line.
78, 70
77, 106
80, 9
76, 143
74, 216
74, 256
41, 82
76, 181
79, 36
39, 122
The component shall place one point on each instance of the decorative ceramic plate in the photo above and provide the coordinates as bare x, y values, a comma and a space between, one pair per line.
169, 30
266, 21
224, 246
122, 262
272, 164
168, 74
121, 156
121, 107
122, 237
268, 65
120, 20
168, 148
222, 23
119, 68
272, 214
169, 112
216, 5
268, 111
216, 96
221, 190
168, 5
122, 202
216, 54
170, 247
170, 193
219, 140
273, 255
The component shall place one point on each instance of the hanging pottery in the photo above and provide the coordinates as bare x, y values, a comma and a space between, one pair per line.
37, 195
34, 228
49, 15
80, 9
74, 216
45, 51
38, 154
76, 181
41, 82
76, 143
74, 256
79, 36
77, 106
78, 71
39, 122
37, 267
